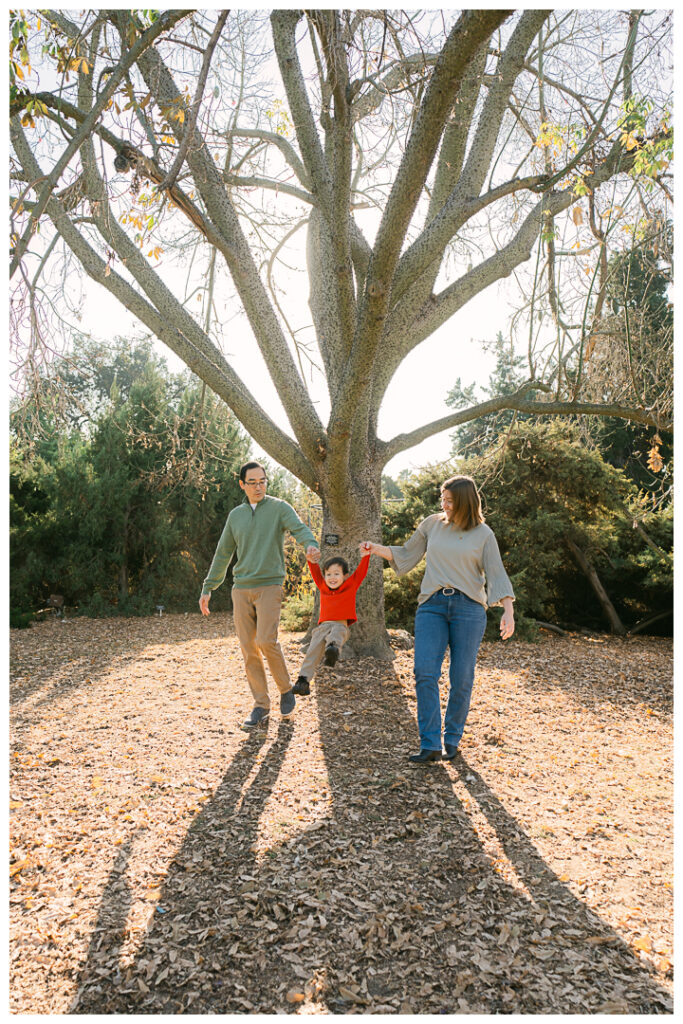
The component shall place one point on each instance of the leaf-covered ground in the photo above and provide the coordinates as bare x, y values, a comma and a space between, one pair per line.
163, 861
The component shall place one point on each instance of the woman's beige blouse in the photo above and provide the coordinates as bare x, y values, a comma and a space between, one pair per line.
468, 560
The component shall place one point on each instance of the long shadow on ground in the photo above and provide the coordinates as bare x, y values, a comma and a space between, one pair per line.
394, 904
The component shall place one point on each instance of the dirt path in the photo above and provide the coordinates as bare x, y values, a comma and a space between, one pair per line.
163, 861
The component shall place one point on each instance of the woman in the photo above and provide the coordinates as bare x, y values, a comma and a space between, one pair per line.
464, 574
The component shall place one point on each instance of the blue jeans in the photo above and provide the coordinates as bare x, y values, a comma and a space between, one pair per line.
454, 621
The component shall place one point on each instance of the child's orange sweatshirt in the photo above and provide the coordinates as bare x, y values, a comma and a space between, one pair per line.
339, 605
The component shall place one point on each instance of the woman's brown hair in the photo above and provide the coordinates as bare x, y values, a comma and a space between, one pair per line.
467, 511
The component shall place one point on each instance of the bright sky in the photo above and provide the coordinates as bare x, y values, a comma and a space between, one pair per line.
416, 394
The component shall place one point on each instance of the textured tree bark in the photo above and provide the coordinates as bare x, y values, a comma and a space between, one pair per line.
587, 567
345, 524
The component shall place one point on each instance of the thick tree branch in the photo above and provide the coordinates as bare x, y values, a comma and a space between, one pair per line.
285, 147
341, 139
271, 185
471, 29
284, 28
165, 21
404, 441
161, 315
441, 307
431, 244
234, 246
458, 51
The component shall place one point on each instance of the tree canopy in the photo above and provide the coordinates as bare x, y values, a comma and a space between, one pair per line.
426, 155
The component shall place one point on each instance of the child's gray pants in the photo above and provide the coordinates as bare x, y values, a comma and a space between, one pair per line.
323, 634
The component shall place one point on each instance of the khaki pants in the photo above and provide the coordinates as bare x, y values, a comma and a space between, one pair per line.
256, 614
323, 634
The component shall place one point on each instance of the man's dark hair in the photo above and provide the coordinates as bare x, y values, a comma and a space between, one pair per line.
337, 560
250, 465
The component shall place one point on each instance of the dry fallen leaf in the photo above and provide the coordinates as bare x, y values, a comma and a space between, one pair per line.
313, 855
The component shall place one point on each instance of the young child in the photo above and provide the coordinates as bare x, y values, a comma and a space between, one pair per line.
337, 612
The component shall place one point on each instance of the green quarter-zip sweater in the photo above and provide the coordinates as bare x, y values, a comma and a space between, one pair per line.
258, 537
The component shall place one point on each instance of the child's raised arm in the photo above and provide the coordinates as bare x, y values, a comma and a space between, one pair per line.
315, 573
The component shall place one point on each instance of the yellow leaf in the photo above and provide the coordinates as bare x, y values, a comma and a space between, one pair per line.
13, 804
97, 782
577, 216
295, 997
644, 943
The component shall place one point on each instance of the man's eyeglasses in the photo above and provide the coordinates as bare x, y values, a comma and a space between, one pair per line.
256, 483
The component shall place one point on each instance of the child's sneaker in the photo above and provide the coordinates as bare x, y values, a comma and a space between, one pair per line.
331, 655
301, 687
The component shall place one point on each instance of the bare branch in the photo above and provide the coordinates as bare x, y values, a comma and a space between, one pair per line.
404, 441
285, 147
165, 21
170, 178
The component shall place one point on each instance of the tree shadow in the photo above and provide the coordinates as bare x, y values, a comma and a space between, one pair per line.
112, 983
395, 902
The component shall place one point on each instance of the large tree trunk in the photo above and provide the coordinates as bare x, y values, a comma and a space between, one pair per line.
585, 564
345, 524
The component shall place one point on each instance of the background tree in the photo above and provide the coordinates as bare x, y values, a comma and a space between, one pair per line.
508, 376
123, 511
427, 157
563, 517
632, 345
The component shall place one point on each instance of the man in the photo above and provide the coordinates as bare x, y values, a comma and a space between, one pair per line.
256, 529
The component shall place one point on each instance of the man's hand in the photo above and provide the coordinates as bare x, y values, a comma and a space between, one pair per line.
365, 547
312, 553
204, 604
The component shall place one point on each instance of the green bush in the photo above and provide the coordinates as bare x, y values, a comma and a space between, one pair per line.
541, 490
296, 612
19, 619
400, 598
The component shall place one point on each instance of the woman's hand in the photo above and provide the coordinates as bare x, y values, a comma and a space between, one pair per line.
366, 547
507, 623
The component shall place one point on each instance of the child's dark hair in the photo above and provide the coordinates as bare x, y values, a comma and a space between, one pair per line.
337, 560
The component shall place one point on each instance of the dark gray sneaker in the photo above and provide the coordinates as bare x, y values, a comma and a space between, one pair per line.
287, 703
301, 687
331, 655
257, 717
